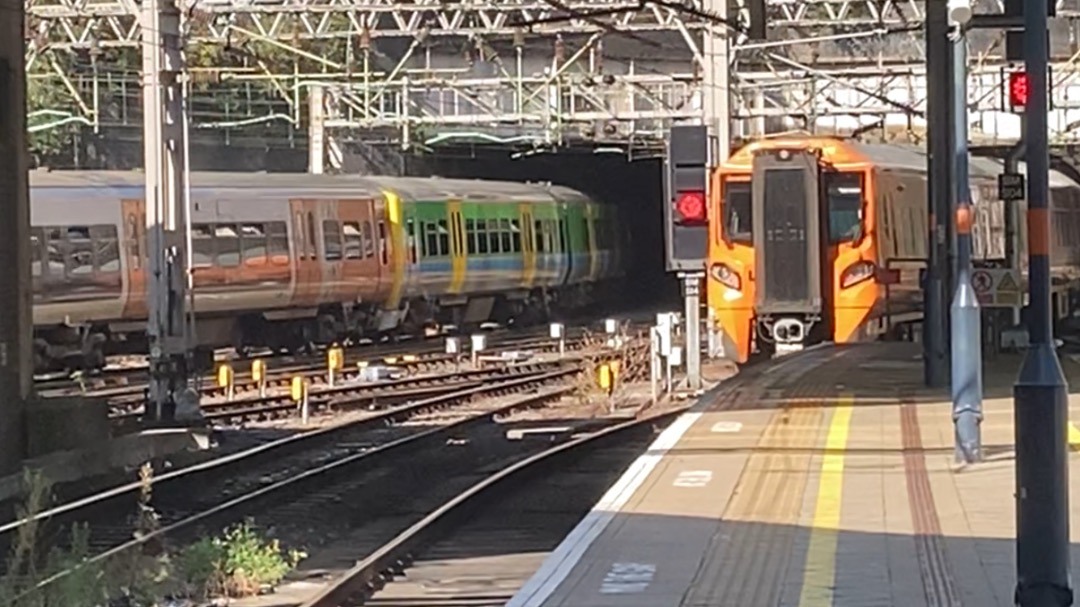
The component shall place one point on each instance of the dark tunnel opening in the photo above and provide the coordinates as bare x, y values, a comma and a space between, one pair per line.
634, 185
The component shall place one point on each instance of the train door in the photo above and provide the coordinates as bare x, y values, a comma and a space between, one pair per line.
528, 247
362, 259
329, 229
458, 259
562, 246
135, 258
305, 246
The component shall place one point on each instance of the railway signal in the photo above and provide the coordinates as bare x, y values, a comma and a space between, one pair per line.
1019, 89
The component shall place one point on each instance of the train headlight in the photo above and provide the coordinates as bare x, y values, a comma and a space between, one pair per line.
726, 276
857, 272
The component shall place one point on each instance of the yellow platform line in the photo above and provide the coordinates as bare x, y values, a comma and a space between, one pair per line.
1074, 437
820, 573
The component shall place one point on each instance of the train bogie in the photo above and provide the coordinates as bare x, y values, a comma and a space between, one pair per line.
293, 261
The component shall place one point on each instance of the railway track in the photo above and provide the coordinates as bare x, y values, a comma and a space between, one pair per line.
288, 471
522, 506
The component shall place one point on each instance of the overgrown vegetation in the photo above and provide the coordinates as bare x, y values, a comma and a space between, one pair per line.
240, 562
628, 354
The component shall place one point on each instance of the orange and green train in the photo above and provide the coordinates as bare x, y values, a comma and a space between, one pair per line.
287, 261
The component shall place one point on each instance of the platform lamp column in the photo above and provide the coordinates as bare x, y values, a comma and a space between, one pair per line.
966, 343
1041, 393
166, 182
717, 118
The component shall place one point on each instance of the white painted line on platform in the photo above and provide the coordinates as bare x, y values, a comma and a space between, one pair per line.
727, 427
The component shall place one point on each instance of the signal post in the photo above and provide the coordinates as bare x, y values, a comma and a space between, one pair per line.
165, 156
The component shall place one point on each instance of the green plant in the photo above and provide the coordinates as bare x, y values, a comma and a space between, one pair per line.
238, 563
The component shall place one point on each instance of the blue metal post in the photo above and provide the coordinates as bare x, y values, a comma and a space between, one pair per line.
966, 343
1041, 393
939, 160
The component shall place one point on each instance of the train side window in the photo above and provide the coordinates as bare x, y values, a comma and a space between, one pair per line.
312, 240
493, 235
384, 244
79, 251
410, 234
202, 245
301, 240
470, 236
515, 236
54, 249
444, 238
481, 237
253, 243
37, 237
106, 248
133, 250
369, 240
277, 241
354, 242
845, 198
738, 212
538, 226
331, 232
504, 236
227, 241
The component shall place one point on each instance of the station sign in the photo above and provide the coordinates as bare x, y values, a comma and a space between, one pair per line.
1011, 187
998, 288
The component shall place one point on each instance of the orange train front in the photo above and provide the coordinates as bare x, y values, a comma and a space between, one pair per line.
818, 239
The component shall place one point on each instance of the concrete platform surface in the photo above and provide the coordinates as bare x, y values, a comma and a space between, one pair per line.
825, 479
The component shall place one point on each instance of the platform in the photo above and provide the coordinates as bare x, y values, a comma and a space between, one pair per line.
824, 479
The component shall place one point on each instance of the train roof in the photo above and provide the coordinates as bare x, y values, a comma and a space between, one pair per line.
895, 157
412, 187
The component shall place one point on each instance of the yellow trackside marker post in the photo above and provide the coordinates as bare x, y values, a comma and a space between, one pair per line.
299, 393
258, 375
1074, 437
225, 380
820, 573
335, 361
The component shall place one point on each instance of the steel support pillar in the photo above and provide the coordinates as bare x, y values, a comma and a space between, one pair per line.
171, 396
1041, 393
16, 324
716, 104
316, 130
692, 296
939, 134
966, 322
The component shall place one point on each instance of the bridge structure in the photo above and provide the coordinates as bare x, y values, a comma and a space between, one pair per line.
529, 72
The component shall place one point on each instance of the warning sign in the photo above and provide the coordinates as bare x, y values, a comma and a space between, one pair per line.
997, 288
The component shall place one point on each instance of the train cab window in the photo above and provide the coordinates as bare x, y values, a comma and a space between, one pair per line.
37, 238
738, 212
369, 240
277, 242
384, 244
354, 242
444, 238
844, 192
106, 248
504, 236
515, 236
202, 245
80, 251
470, 236
331, 232
227, 242
253, 243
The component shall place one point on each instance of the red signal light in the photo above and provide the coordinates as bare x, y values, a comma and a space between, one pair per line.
1019, 90
691, 207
